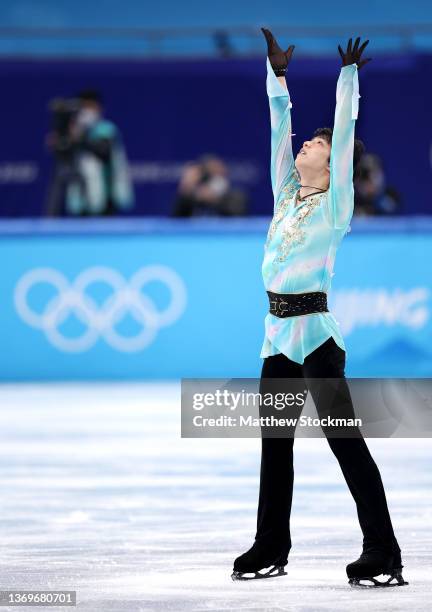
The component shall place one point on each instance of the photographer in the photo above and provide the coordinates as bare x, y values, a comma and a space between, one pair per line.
205, 190
372, 194
91, 173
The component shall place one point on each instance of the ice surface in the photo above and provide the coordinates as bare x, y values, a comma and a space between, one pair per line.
102, 496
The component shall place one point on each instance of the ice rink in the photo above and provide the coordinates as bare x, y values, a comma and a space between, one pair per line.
102, 496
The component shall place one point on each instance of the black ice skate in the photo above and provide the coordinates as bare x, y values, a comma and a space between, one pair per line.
258, 563
363, 572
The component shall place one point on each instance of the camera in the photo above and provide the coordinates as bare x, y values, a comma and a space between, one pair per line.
63, 113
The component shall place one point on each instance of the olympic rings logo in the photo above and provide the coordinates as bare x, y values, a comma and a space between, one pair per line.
100, 320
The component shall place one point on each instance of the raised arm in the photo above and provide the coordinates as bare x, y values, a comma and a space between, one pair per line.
282, 167
341, 195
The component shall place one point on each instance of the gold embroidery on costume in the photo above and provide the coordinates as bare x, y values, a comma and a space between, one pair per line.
289, 192
293, 233
277, 217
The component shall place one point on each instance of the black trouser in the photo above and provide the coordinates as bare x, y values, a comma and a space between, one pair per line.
359, 469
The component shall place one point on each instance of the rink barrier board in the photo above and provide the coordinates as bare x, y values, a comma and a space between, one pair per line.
148, 299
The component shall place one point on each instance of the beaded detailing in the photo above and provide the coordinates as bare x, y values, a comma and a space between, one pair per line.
288, 193
294, 304
294, 233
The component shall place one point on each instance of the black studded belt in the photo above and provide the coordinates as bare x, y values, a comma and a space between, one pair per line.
294, 304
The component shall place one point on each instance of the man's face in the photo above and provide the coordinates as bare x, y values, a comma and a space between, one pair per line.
89, 114
314, 155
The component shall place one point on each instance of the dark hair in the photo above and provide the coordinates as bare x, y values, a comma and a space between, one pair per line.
90, 95
327, 134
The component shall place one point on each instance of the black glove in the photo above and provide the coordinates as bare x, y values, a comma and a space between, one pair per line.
279, 59
353, 55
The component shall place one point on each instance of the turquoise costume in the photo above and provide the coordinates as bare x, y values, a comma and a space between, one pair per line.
303, 237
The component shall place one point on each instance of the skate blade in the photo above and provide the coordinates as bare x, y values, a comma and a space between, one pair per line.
393, 581
274, 572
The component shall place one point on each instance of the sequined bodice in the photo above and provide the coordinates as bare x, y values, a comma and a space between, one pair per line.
292, 216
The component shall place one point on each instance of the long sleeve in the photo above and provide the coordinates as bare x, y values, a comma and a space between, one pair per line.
282, 166
341, 196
